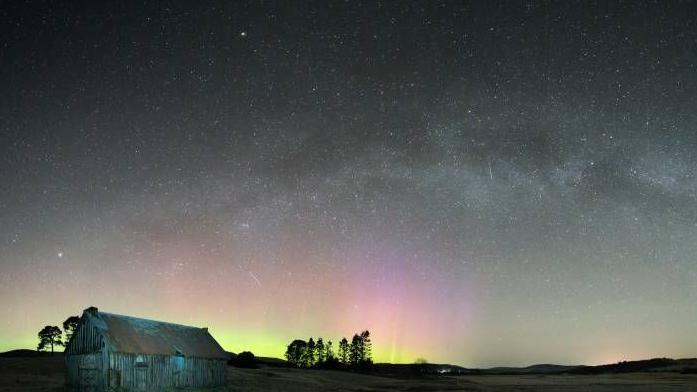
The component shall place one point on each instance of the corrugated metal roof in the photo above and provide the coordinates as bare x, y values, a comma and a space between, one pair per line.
141, 336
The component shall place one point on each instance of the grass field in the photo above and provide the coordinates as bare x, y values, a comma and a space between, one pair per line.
47, 374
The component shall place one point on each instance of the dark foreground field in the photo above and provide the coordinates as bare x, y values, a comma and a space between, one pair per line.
46, 374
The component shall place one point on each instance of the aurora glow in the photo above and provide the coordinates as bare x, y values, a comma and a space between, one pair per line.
480, 185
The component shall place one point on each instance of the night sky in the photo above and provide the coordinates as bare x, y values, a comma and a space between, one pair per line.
477, 184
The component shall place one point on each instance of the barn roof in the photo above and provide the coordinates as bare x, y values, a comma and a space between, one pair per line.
142, 336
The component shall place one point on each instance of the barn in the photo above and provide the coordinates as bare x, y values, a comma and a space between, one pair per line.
111, 352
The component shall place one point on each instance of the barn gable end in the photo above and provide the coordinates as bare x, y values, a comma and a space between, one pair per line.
87, 337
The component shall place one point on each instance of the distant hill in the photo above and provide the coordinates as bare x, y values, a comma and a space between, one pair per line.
534, 369
687, 365
26, 353
266, 361
269, 361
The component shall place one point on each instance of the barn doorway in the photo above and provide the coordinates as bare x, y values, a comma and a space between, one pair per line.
88, 379
88, 373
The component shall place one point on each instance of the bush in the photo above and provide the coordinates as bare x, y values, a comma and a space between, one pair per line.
331, 363
245, 359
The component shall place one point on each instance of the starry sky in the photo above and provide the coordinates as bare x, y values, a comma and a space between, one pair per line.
480, 183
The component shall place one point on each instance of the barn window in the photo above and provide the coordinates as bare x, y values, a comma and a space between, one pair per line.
140, 361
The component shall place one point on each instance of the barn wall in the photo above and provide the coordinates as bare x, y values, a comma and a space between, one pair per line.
148, 372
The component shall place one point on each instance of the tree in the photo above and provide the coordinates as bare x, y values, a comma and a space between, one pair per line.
367, 347
355, 350
295, 352
49, 336
320, 352
69, 326
309, 359
329, 352
343, 351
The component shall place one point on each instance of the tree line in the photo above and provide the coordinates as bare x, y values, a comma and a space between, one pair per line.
51, 336
318, 354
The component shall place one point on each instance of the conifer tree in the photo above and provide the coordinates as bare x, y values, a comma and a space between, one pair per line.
310, 353
367, 347
329, 351
320, 355
355, 350
344, 351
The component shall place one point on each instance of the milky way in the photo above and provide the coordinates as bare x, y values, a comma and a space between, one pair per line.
473, 184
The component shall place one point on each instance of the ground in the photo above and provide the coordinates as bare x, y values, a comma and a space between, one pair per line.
47, 374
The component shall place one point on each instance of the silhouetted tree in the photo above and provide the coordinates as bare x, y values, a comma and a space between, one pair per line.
295, 352
329, 351
320, 354
355, 350
366, 347
69, 327
309, 359
344, 351
49, 336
